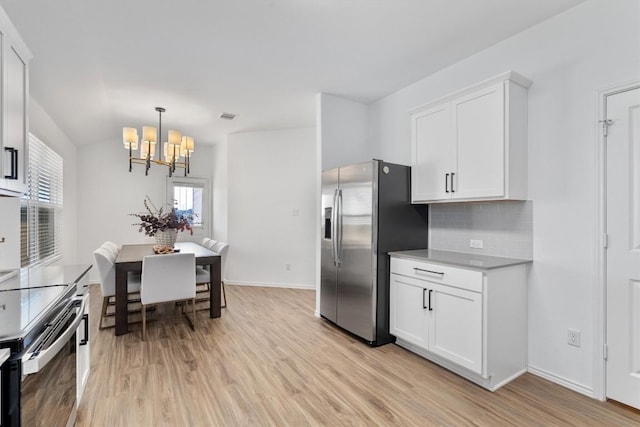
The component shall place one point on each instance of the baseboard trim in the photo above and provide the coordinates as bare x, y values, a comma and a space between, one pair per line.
270, 285
572, 385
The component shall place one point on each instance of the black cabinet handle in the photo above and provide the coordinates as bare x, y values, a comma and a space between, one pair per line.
430, 308
424, 304
416, 269
85, 320
14, 163
452, 187
446, 183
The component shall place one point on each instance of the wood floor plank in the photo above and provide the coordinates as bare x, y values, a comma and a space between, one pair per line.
268, 361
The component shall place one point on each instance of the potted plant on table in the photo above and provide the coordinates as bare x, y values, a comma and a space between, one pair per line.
163, 225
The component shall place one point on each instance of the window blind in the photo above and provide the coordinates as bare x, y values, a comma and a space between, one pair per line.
41, 206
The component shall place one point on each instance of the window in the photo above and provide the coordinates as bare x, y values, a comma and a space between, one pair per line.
190, 197
41, 206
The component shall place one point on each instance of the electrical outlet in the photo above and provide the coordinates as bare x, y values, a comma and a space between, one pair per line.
476, 244
573, 337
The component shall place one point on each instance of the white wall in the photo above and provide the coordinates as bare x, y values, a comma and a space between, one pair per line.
46, 130
272, 208
108, 193
220, 191
569, 58
343, 131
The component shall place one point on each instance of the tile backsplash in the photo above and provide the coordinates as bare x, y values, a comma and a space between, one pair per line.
505, 228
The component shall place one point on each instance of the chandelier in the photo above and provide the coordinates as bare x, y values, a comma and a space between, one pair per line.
175, 147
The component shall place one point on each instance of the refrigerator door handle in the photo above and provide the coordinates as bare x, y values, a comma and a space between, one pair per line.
338, 237
334, 236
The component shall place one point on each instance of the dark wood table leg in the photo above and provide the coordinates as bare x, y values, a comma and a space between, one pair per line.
214, 297
122, 322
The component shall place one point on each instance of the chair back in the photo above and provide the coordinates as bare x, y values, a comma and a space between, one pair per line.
112, 246
220, 248
204, 242
104, 260
170, 277
111, 250
211, 244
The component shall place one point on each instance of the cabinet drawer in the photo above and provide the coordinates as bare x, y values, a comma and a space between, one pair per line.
438, 273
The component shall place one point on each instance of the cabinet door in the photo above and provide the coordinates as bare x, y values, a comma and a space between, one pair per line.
433, 149
456, 326
15, 92
9, 233
479, 139
82, 347
408, 312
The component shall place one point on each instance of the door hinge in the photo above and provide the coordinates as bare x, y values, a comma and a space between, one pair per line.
605, 126
605, 352
605, 240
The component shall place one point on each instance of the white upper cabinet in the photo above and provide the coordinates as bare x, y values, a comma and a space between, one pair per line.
433, 155
472, 145
9, 233
14, 95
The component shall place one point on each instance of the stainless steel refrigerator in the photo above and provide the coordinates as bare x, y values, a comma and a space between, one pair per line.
367, 212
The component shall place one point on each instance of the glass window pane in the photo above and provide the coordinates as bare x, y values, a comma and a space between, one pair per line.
188, 201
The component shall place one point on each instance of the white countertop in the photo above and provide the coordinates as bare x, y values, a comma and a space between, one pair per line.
45, 276
460, 259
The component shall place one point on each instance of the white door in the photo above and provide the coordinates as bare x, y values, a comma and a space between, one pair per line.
479, 140
408, 310
623, 252
456, 326
433, 152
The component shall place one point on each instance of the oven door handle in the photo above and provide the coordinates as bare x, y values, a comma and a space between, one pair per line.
32, 364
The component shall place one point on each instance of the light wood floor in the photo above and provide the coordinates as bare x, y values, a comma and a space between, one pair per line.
269, 361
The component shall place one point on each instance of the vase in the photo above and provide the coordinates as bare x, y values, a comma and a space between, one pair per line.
167, 237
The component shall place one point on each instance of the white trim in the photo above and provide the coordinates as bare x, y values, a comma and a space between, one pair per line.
271, 285
507, 75
600, 300
572, 385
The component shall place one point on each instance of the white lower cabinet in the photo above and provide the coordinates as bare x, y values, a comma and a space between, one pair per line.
471, 322
409, 316
455, 330
83, 350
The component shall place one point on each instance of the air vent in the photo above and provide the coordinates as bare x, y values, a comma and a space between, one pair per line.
227, 116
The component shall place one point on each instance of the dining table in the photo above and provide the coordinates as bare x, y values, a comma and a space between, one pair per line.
130, 259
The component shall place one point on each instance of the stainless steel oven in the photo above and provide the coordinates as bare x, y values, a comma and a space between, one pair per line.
39, 379
48, 390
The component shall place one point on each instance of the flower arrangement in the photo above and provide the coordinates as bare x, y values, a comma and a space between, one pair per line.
154, 220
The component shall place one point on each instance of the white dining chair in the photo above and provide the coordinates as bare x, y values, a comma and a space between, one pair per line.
204, 242
204, 277
169, 277
211, 243
112, 246
104, 260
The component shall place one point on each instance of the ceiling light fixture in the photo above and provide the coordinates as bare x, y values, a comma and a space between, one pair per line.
175, 147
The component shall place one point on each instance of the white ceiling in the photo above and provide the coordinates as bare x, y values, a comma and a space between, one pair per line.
102, 65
